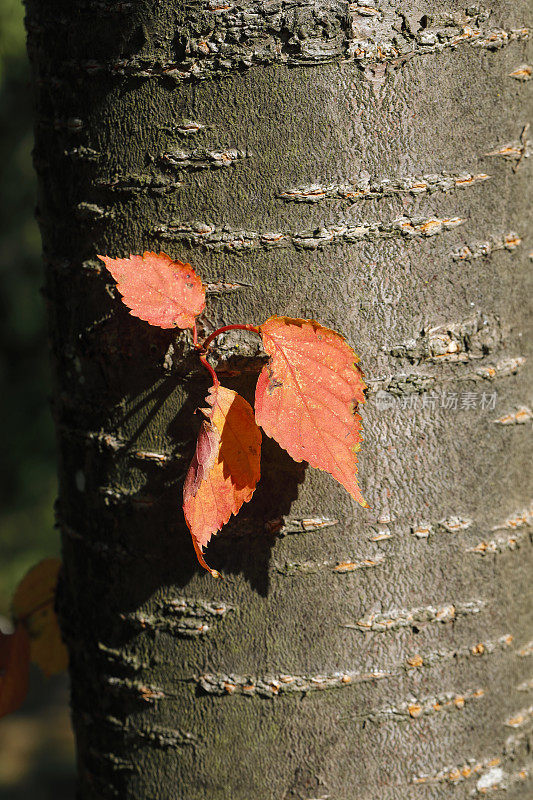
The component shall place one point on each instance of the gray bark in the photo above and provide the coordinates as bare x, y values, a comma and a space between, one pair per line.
330, 161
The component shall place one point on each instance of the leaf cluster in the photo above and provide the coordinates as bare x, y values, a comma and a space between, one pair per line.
307, 396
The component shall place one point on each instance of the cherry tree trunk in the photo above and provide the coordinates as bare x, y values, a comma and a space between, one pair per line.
365, 167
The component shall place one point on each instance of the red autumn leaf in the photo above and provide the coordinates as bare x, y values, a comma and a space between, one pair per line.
157, 289
307, 397
14, 669
225, 468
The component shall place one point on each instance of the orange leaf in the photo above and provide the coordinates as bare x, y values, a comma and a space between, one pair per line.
161, 291
308, 394
225, 468
14, 669
33, 606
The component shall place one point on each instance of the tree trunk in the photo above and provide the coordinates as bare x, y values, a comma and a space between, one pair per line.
365, 168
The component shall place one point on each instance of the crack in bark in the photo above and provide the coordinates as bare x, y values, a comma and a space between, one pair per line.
371, 188
410, 618
232, 37
211, 237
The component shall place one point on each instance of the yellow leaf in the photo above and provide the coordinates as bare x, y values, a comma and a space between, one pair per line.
33, 606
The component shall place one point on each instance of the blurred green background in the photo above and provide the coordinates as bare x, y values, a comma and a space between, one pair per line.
27, 481
36, 747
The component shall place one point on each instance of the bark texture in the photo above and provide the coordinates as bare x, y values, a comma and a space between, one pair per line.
366, 167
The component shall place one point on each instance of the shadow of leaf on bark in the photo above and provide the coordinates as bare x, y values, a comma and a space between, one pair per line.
158, 533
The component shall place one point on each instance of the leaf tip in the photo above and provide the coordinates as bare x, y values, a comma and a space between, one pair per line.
201, 560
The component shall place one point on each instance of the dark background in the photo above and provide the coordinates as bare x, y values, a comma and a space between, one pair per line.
36, 748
